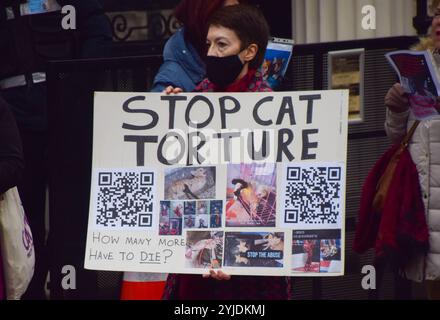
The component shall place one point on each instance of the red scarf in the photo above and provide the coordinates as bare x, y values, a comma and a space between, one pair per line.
400, 230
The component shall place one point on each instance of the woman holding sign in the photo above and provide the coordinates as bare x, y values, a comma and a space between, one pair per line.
236, 43
424, 148
183, 64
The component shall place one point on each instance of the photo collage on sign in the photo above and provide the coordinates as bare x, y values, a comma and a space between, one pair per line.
178, 215
317, 251
190, 201
251, 196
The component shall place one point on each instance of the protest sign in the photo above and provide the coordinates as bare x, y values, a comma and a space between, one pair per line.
252, 183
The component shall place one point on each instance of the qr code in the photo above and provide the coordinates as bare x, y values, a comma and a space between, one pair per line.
313, 195
124, 199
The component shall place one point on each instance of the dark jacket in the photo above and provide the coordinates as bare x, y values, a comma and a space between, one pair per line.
182, 67
11, 154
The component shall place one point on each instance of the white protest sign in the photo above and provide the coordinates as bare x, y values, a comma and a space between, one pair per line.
250, 183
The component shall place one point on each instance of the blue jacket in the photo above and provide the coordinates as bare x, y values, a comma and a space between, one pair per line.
182, 67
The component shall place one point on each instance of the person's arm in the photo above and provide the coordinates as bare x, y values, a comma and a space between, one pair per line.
397, 113
172, 74
11, 154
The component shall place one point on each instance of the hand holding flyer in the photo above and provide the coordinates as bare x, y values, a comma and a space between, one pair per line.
420, 80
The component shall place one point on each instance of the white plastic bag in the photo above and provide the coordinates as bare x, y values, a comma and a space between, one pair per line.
16, 245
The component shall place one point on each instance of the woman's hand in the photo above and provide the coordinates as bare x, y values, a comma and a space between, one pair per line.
171, 89
217, 275
396, 99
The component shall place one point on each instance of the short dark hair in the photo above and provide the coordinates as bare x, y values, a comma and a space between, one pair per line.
250, 26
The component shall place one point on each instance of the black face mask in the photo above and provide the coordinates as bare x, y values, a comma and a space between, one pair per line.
222, 71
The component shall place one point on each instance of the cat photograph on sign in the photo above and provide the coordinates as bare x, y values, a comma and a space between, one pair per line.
190, 183
204, 249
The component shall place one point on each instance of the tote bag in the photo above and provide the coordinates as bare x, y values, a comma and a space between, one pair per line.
16, 245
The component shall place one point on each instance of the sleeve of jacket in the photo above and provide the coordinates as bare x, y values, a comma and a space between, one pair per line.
11, 154
396, 124
172, 74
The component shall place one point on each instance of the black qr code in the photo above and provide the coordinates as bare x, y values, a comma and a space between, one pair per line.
313, 195
124, 199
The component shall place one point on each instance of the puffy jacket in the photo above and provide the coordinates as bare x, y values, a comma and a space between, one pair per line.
182, 67
425, 152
